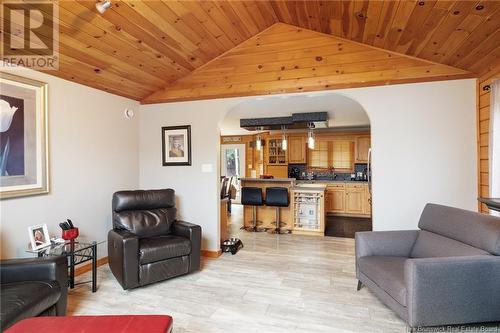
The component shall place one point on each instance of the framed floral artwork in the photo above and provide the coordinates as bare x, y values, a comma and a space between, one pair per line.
24, 163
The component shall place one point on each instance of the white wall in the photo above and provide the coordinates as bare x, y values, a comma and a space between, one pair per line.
424, 146
93, 153
196, 192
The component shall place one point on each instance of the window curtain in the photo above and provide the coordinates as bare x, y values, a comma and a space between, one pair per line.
494, 143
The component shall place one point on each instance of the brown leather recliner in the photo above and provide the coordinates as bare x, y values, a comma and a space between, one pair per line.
147, 243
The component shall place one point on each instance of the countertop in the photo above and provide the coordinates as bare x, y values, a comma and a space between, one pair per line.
320, 181
271, 180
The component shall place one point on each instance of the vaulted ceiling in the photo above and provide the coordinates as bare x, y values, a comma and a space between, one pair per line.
137, 48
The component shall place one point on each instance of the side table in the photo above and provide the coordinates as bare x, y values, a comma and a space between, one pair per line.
78, 252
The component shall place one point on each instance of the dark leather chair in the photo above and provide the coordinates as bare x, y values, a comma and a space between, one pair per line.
147, 243
277, 197
252, 196
32, 287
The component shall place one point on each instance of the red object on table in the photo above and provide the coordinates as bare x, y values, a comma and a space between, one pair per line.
94, 324
70, 234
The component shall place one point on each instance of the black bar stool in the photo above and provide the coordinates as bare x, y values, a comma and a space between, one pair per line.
252, 196
277, 197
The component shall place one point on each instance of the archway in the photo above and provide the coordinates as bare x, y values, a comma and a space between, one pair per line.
347, 121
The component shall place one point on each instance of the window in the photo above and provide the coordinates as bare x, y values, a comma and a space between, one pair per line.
343, 155
318, 156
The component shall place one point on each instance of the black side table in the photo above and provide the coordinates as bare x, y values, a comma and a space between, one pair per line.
77, 252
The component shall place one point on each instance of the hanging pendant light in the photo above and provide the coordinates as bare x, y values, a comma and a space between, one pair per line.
310, 137
102, 5
284, 143
258, 142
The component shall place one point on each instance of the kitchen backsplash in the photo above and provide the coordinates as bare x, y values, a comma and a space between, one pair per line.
302, 168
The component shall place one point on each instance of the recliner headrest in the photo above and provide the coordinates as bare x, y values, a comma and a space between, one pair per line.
143, 200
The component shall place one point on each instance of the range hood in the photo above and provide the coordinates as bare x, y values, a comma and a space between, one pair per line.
295, 121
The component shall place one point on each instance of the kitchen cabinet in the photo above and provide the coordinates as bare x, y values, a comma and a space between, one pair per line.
354, 199
277, 171
275, 153
335, 198
367, 202
297, 149
347, 199
362, 147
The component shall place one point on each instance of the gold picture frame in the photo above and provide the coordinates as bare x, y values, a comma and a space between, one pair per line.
24, 144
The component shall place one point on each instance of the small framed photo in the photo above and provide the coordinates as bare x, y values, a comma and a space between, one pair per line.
176, 145
39, 236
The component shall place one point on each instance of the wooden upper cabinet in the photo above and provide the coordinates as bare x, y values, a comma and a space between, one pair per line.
275, 153
297, 149
362, 147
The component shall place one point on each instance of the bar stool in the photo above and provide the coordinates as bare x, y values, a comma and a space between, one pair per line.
252, 196
277, 197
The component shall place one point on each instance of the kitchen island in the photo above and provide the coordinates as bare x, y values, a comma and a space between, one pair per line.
265, 214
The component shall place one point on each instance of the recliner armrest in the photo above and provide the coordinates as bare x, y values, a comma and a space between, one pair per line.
38, 269
123, 257
193, 233
452, 290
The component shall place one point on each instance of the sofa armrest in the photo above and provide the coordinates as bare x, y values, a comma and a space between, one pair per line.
193, 233
452, 290
385, 243
39, 269
123, 257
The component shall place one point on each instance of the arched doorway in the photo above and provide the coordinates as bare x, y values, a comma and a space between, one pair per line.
339, 159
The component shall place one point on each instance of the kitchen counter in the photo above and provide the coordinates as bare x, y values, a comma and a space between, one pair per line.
310, 187
270, 180
321, 181
266, 215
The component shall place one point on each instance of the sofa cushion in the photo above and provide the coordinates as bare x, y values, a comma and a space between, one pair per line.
163, 247
21, 300
387, 273
475, 229
430, 245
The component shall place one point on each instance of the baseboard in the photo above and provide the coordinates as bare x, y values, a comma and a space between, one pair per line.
88, 266
211, 254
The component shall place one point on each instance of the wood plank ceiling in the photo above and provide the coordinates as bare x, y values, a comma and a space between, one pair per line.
137, 48
285, 58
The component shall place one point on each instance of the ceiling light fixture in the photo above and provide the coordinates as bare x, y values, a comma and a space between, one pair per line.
310, 137
103, 5
284, 143
258, 143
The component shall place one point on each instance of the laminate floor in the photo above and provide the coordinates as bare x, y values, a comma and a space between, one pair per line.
276, 283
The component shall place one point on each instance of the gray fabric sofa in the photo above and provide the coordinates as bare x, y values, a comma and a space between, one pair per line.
446, 273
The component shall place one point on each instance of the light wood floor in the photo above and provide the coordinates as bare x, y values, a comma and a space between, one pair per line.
276, 283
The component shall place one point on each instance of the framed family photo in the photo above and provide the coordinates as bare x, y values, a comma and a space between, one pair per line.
24, 168
176, 145
39, 236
